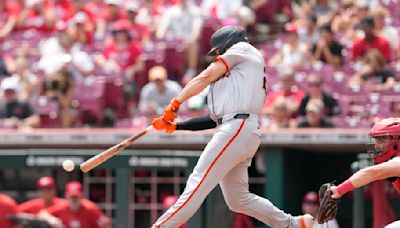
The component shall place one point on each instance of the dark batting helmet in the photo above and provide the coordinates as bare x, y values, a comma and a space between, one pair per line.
385, 127
225, 37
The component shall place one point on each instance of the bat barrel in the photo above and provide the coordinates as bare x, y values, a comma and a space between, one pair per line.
95, 161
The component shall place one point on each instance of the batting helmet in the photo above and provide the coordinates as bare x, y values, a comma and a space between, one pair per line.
385, 127
225, 37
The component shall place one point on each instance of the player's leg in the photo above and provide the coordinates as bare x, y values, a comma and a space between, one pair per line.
221, 154
235, 189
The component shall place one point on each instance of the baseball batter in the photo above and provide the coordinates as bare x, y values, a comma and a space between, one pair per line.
236, 95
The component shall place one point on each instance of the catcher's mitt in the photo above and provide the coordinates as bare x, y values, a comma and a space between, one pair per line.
328, 207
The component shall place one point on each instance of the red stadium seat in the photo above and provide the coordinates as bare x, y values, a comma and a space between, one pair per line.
48, 111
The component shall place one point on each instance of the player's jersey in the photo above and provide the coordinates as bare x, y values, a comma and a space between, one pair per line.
88, 216
396, 183
242, 89
8, 207
34, 206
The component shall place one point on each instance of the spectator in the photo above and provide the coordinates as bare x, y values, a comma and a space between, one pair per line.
221, 9
315, 91
325, 10
15, 113
8, 208
59, 87
183, 22
371, 40
158, 92
81, 31
293, 53
327, 49
344, 23
386, 31
109, 15
123, 54
37, 15
281, 116
78, 212
27, 81
47, 197
287, 90
309, 32
139, 31
310, 206
315, 116
60, 52
374, 75
150, 15
9, 11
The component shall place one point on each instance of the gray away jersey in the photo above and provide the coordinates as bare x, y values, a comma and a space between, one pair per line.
242, 89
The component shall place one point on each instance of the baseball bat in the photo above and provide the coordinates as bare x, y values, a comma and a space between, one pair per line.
95, 161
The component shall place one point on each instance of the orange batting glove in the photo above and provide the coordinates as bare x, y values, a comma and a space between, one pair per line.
170, 112
160, 124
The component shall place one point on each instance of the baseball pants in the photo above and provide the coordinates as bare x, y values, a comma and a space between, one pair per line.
225, 160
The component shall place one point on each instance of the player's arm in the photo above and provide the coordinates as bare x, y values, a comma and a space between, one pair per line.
213, 72
197, 124
367, 175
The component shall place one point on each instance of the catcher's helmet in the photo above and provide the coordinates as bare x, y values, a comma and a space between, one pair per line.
385, 127
225, 37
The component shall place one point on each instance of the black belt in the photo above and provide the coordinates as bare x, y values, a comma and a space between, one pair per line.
237, 116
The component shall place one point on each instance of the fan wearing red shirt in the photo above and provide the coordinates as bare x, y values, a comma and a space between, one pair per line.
47, 199
123, 51
8, 208
288, 91
79, 212
9, 11
38, 15
370, 41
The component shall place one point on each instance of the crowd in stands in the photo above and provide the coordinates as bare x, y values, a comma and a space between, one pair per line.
117, 63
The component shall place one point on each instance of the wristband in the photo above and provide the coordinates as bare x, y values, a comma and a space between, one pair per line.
345, 187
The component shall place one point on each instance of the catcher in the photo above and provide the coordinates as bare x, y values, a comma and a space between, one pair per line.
384, 148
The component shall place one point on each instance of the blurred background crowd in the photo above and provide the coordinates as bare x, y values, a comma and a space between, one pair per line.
118, 63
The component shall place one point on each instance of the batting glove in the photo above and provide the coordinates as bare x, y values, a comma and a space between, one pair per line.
170, 112
160, 124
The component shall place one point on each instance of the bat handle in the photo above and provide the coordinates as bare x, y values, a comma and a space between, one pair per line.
149, 129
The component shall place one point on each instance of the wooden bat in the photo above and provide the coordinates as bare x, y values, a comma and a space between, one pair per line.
95, 161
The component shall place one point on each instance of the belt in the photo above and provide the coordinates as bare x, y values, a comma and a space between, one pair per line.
236, 116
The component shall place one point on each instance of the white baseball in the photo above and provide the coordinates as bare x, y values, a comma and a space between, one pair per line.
68, 165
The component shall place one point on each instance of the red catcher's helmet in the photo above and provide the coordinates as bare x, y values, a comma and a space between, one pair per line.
385, 127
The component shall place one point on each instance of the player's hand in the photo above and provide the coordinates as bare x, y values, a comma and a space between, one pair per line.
160, 124
170, 112
335, 193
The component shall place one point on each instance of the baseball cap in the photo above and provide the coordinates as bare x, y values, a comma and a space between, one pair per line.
157, 72
73, 188
9, 83
45, 182
311, 198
